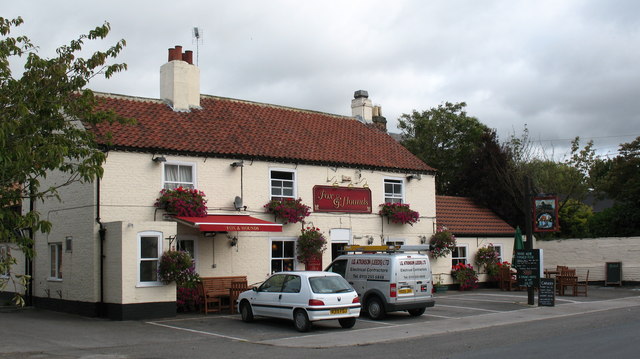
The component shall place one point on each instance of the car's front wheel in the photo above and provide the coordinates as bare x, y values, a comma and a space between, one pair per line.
301, 321
347, 322
246, 312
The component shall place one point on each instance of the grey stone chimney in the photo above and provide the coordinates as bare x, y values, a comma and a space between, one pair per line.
361, 106
364, 111
180, 81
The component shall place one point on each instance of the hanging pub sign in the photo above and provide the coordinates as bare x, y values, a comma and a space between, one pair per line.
341, 199
545, 212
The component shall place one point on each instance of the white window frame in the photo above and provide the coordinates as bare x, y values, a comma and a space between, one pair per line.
158, 236
395, 241
4, 253
295, 182
55, 261
194, 239
459, 259
191, 184
499, 248
393, 196
272, 258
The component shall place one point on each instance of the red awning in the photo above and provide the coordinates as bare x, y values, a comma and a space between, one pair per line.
230, 223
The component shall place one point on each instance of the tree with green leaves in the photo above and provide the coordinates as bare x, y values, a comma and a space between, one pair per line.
443, 137
619, 178
40, 130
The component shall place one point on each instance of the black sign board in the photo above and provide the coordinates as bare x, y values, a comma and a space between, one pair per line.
547, 292
527, 262
614, 273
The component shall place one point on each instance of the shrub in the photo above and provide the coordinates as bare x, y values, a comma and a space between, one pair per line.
465, 275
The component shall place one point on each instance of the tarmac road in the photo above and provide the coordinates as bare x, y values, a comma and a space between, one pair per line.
33, 333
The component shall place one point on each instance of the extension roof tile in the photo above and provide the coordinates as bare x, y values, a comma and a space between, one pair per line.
462, 217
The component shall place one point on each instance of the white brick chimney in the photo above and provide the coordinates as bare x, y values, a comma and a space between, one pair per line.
180, 81
361, 106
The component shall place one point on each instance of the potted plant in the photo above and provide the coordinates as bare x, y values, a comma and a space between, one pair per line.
186, 202
442, 243
438, 286
399, 213
289, 210
465, 275
310, 244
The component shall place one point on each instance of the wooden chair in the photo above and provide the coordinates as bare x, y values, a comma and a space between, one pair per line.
235, 290
507, 281
567, 278
582, 286
210, 301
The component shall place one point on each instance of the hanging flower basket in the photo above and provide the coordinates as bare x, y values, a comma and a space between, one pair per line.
177, 266
311, 244
465, 275
488, 257
399, 213
442, 243
289, 210
183, 202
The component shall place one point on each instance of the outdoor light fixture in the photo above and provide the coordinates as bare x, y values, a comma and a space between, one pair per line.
233, 241
423, 239
414, 176
159, 159
369, 239
237, 164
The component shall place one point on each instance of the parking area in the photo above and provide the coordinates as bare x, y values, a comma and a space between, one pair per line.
451, 308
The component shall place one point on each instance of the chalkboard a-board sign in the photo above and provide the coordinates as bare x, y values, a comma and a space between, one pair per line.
547, 292
527, 262
613, 273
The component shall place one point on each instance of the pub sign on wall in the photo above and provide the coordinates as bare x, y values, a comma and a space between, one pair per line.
341, 199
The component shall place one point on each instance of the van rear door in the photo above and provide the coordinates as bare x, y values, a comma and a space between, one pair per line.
413, 278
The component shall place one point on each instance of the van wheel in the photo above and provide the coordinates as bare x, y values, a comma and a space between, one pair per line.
301, 321
416, 312
245, 312
375, 309
347, 322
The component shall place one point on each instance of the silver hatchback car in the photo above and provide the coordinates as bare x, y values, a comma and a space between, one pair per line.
303, 297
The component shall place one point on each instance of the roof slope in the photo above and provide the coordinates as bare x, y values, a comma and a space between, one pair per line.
462, 216
241, 129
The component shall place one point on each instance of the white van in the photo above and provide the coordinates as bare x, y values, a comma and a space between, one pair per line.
388, 278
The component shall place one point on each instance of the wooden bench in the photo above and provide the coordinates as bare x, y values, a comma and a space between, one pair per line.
216, 292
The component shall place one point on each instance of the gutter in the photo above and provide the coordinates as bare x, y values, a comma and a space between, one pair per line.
102, 233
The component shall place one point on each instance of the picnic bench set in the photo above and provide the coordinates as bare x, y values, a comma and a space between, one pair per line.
565, 278
221, 293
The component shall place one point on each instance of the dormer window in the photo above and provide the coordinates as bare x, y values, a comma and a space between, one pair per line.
179, 175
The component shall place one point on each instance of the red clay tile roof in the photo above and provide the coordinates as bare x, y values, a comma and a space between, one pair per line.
231, 128
464, 217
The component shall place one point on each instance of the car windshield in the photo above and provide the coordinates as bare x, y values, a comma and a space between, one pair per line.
329, 284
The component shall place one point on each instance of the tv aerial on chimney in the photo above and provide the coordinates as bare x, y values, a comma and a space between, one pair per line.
197, 37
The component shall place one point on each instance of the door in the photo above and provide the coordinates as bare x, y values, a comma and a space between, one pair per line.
267, 299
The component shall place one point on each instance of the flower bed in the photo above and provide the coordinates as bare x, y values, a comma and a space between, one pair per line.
399, 213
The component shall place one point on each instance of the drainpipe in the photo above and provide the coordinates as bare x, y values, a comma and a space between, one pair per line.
102, 233
29, 262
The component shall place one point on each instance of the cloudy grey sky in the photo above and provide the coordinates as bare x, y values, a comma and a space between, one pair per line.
562, 68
